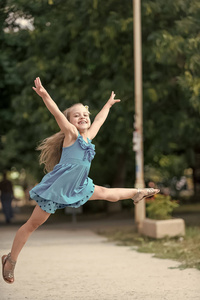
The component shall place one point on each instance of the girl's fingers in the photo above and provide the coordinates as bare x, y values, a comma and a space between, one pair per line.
112, 96
39, 81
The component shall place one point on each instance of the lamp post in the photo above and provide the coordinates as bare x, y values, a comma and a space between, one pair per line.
138, 118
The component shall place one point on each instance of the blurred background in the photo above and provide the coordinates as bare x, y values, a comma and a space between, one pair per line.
82, 50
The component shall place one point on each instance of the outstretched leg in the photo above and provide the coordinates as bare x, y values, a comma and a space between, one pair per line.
116, 194
37, 218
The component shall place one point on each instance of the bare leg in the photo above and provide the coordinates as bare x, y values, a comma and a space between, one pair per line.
112, 194
37, 218
115, 194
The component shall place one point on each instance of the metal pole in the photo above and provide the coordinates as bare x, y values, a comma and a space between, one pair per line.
138, 123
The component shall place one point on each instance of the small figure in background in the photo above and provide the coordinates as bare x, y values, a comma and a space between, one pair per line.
7, 196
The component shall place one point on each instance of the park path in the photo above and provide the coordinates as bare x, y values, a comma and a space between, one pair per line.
74, 263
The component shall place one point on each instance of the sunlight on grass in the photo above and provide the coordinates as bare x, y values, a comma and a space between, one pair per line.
185, 249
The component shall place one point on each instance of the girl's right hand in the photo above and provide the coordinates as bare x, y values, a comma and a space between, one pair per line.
39, 89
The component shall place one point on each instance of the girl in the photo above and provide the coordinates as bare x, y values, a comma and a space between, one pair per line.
67, 156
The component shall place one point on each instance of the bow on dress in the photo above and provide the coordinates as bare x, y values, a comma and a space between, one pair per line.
88, 147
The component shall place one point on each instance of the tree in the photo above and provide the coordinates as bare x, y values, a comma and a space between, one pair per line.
80, 51
172, 82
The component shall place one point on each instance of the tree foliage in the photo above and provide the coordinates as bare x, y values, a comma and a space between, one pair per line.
78, 50
82, 50
172, 82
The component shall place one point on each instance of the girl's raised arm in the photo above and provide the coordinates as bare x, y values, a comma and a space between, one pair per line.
101, 116
62, 121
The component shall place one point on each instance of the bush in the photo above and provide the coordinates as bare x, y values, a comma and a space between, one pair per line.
161, 207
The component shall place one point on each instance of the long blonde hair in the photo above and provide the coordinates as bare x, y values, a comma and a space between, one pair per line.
51, 147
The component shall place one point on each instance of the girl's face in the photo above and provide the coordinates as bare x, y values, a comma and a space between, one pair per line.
79, 117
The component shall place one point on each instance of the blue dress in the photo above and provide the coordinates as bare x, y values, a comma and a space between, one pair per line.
68, 183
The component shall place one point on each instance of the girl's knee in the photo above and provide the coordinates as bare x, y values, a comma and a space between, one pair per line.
103, 193
32, 225
106, 194
100, 193
37, 218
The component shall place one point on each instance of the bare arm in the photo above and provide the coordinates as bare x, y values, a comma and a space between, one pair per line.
101, 116
62, 121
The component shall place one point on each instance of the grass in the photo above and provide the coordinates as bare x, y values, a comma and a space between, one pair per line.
188, 208
185, 250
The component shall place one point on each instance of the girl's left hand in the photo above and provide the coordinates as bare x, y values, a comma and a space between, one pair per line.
112, 99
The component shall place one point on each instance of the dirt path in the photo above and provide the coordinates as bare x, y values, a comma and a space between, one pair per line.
77, 264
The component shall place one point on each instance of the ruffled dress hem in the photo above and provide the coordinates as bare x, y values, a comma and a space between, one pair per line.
51, 206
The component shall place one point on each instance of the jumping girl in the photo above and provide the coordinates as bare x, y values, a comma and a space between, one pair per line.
67, 157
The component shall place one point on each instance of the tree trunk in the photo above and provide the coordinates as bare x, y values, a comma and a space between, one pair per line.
196, 175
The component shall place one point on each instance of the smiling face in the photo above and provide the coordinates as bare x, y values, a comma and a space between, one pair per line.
79, 117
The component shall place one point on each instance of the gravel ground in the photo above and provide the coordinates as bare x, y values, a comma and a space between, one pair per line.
72, 262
